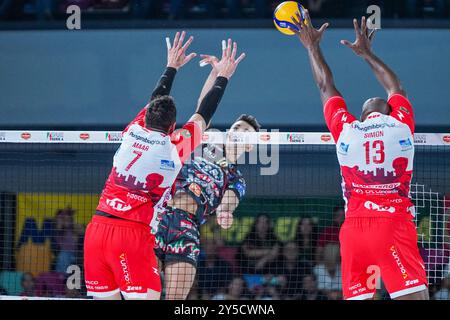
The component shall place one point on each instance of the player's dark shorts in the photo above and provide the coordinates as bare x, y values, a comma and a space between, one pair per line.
177, 238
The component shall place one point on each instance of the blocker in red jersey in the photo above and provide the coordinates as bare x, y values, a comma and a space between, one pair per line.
119, 242
375, 153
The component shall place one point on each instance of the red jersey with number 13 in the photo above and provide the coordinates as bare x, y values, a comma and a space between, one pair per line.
376, 158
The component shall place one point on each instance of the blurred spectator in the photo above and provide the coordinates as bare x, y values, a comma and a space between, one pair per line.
28, 284
306, 238
330, 234
271, 288
66, 239
310, 290
444, 292
237, 290
292, 268
214, 274
260, 248
328, 273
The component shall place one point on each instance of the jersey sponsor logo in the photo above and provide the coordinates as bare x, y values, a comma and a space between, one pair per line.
195, 189
296, 137
133, 288
399, 262
373, 116
118, 205
388, 186
406, 144
376, 126
381, 208
125, 268
113, 136
25, 135
411, 282
55, 136
142, 147
325, 137
146, 140
84, 136
137, 197
377, 134
343, 148
167, 165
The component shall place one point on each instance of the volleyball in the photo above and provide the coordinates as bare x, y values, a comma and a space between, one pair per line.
283, 13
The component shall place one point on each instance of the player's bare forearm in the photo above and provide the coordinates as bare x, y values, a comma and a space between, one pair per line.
322, 74
384, 74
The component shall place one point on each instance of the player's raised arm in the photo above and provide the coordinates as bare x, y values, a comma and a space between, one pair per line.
363, 48
310, 38
176, 58
216, 83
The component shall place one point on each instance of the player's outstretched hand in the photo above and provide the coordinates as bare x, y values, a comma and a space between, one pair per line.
363, 43
227, 65
176, 51
309, 36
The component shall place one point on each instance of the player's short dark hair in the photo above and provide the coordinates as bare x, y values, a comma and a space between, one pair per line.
161, 113
251, 120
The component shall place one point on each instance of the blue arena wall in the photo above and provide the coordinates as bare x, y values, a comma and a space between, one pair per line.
103, 77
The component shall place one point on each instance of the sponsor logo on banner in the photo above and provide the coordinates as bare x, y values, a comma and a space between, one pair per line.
343, 148
264, 137
325, 138
296, 137
55, 136
406, 144
446, 139
113, 136
237, 138
420, 139
25, 135
118, 205
205, 137
167, 165
2, 136
84, 136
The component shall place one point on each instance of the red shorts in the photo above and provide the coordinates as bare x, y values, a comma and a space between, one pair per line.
374, 247
119, 257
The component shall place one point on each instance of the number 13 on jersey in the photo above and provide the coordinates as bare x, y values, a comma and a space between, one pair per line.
375, 152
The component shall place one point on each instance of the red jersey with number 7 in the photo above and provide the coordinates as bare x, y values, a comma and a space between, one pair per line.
376, 158
144, 170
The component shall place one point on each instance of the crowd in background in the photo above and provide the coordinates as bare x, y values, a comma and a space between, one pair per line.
216, 9
261, 267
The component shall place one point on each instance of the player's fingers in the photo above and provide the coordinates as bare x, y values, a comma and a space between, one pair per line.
356, 26
308, 18
372, 34
188, 43
190, 57
324, 27
241, 57
229, 48
175, 40
169, 45
347, 43
234, 52
180, 42
296, 21
224, 48
293, 30
363, 26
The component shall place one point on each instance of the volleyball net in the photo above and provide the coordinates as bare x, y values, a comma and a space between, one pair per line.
50, 182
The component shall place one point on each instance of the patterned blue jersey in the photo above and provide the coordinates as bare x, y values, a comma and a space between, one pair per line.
206, 181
